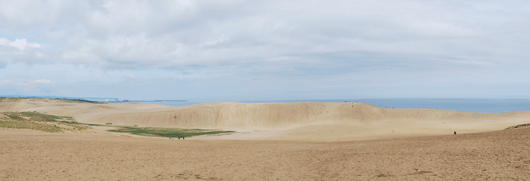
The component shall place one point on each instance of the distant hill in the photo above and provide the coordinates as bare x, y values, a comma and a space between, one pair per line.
300, 121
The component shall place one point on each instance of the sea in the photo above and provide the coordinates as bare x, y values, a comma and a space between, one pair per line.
475, 105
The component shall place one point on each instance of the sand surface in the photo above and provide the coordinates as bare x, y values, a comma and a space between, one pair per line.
294, 141
308, 121
33, 155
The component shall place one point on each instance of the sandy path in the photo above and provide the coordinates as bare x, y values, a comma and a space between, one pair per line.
32, 155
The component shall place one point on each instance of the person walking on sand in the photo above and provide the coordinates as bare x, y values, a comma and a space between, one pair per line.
455, 132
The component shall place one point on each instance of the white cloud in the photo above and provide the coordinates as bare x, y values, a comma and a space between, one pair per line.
184, 2
6, 82
182, 33
339, 42
20, 44
27, 83
42, 81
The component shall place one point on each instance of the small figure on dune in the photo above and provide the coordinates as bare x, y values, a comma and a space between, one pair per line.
455, 132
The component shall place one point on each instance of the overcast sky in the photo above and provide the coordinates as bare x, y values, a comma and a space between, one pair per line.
237, 50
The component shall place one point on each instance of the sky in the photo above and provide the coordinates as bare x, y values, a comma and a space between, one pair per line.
228, 50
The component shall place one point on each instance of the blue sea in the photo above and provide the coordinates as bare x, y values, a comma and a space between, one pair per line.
477, 105
464, 105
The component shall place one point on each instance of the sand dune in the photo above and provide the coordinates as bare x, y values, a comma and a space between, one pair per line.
32, 155
288, 141
288, 121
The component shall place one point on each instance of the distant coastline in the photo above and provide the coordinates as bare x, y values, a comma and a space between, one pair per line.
454, 104
475, 105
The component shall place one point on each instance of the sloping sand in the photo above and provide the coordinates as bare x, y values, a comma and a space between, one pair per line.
306, 121
32, 155
291, 141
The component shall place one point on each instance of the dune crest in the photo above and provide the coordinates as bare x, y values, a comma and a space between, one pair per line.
298, 121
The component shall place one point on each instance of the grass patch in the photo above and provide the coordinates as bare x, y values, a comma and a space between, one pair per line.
166, 132
79, 101
9, 99
51, 123
518, 126
25, 124
33, 116
41, 122
15, 99
77, 123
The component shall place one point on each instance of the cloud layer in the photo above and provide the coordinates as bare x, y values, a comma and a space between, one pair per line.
307, 48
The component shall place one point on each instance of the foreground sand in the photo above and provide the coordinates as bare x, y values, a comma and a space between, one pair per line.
33, 155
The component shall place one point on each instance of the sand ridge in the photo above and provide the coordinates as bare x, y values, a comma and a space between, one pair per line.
291, 141
282, 121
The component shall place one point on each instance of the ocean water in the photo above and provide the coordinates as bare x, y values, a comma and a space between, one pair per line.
464, 105
477, 105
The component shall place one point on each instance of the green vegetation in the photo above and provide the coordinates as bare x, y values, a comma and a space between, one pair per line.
79, 101
166, 132
17, 124
35, 116
15, 99
41, 122
517, 126
51, 123
77, 123
9, 99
